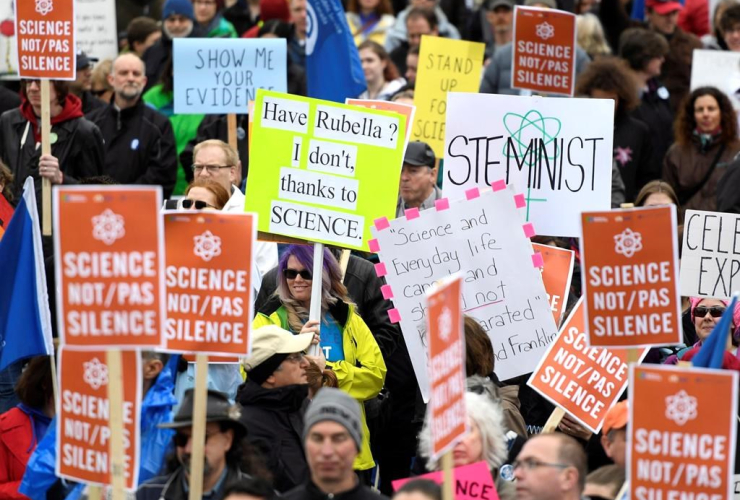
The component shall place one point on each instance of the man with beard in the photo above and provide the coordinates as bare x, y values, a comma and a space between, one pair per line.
223, 452
178, 18
139, 142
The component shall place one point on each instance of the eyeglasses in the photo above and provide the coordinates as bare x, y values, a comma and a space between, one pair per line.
295, 358
533, 463
212, 169
714, 311
291, 274
197, 204
181, 440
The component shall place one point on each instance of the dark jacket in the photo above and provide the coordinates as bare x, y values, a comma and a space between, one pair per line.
310, 491
90, 103
155, 59
363, 286
676, 70
139, 145
79, 149
655, 112
274, 418
728, 196
172, 486
632, 152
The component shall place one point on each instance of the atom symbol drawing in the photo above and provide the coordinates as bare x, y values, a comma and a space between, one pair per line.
524, 129
681, 407
43, 7
207, 246
444, 324
95, 373
545, 30
108, 227
628, 242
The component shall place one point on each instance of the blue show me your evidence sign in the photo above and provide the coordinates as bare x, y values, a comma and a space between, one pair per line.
221, 75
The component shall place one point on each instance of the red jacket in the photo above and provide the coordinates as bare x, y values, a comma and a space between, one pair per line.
15, 450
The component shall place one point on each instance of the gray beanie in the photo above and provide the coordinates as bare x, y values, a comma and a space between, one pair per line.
335, 405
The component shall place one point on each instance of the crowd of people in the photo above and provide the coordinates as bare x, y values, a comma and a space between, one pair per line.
348, 419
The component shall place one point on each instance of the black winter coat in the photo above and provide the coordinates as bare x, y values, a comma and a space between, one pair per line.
139, 145
274, 418
172, 486
310, 491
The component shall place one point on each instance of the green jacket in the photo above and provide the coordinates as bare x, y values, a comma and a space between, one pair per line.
185, 127
361, 374
217, 28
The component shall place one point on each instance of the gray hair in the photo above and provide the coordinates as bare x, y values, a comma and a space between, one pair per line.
489, 417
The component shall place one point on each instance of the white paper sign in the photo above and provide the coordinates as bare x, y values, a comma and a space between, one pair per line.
558, 152
95, 23
710, 260
482, 239
717, 68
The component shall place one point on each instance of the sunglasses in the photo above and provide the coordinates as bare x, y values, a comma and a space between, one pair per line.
291, 274
181, 440
714, 311
197, 204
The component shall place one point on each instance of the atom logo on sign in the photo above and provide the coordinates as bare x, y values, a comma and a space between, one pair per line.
207, 246
628, 242
108, 227
444, 324
43, 7
545, 30
681, 407
95, 373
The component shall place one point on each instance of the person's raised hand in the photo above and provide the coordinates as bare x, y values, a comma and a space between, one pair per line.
49, 169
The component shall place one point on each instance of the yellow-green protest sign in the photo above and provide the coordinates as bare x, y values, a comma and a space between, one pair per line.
444, 66
323, 171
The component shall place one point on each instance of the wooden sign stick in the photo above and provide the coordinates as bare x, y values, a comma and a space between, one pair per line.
200, 401
233, 140
115, 401
448, 486
45, 150
315, 311
555, 418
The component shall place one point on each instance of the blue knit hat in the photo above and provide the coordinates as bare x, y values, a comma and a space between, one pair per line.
181, 7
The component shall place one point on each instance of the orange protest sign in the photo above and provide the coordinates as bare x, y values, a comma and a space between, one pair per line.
681, 433
584, 381
544, 50
208, 279
108, 246
630, 277
46, 39
406, 110
446, 364
557, 271
83, 412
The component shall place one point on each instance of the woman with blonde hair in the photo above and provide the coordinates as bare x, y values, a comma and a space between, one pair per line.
590, 36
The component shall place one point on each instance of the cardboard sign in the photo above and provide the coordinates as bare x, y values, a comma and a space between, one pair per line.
447, 365
110, 266
482, 239
584, 381
45, 32
556, 275
558, 152
327, 170
681, 432
96, 29
83, 413
221, 75
407, 110
544, 43
208, 279
717, 68
444, 66
710, 260
630, 277
472, 482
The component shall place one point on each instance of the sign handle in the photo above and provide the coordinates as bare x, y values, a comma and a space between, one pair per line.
315, 311
552, 423
344, 262
94, 492
633, 355
448, 486
45, 150
199, 427
115, 400
231, 126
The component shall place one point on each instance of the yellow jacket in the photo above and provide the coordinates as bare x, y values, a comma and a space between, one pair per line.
361, 374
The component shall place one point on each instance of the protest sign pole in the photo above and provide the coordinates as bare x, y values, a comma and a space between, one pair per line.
448, 489
315, 311
94, 492
344, 262
45, 150
552, 423
115, 400
231, 125
199, 426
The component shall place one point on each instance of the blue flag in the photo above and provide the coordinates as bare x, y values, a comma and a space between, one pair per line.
713, 349
333, 68
25, 321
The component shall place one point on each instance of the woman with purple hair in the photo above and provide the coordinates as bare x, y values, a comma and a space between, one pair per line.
348, 347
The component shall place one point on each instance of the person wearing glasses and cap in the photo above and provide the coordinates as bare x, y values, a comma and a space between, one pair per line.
225, 456
550, 467
418, 185
273, 399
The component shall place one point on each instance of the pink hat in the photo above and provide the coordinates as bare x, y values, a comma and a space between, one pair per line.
735, 314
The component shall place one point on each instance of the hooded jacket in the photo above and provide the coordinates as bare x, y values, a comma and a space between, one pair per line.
17, 442
139, 145
274, 418
362, 372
